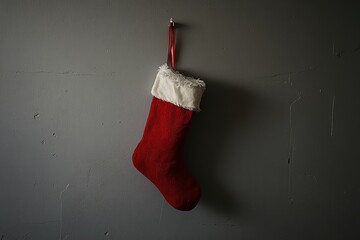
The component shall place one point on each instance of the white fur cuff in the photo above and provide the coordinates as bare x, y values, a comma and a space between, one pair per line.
173, 87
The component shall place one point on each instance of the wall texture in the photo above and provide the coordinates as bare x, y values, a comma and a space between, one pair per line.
276, 147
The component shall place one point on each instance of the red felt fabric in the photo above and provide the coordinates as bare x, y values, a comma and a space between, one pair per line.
159, 154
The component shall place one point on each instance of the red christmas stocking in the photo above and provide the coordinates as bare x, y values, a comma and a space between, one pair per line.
159, 154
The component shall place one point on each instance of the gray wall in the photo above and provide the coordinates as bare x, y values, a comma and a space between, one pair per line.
276, 147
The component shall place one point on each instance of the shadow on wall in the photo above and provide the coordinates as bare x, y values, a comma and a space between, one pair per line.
224, 109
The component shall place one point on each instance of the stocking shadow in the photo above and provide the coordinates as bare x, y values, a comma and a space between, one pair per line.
224, 109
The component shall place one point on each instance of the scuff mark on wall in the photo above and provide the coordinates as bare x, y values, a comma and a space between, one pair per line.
288, 73
27, 236
275, 75
61, 210
232, 225
289, 79
332, 117
312, 176
291, 144
57, 73
161, 211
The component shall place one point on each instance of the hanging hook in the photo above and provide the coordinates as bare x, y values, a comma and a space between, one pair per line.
172, 22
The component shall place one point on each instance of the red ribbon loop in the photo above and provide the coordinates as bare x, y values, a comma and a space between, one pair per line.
171, 46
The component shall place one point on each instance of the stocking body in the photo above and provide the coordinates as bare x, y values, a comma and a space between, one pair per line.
159, 154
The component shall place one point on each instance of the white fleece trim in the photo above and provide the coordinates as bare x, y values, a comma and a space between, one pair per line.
173, 87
